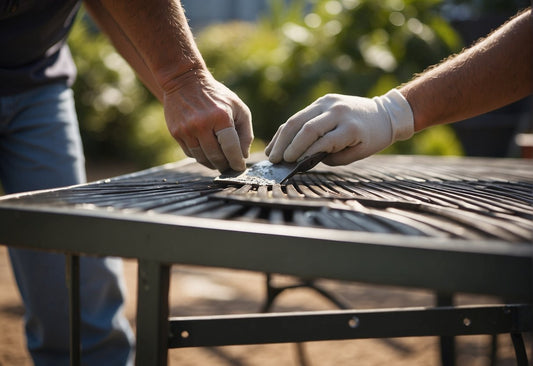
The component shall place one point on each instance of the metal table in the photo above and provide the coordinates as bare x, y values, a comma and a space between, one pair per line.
447, 224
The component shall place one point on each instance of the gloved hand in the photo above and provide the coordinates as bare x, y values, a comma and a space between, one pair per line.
348, 127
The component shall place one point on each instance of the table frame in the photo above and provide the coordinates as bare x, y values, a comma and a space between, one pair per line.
158, 241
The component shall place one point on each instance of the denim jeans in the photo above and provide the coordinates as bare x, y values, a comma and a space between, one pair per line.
40, 148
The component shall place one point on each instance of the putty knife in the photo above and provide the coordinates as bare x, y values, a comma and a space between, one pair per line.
265, 173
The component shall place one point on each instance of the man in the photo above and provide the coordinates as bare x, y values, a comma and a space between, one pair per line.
496, 71
40, 146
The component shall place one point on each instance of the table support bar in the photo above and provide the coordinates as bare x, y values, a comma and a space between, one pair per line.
348, 324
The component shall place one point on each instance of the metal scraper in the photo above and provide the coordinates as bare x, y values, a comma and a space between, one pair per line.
265, 173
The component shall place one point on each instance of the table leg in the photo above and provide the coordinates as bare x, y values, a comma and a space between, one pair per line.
520, 349
152, 313
72, 272
447, 343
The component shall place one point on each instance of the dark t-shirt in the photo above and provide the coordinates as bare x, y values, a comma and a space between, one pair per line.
33, 42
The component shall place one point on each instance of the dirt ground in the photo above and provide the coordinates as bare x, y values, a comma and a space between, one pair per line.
202, 291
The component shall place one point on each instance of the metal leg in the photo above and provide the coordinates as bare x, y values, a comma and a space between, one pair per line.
447, 343
72, 272
152, 313
520, 349
271, 293
493, 350
301, 355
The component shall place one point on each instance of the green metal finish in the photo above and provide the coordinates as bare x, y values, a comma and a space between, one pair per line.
348, 324
152, 313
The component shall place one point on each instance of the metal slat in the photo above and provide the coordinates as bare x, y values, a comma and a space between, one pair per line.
395, 195
441, 223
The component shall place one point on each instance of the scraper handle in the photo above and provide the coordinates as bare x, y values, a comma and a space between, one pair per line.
306, 164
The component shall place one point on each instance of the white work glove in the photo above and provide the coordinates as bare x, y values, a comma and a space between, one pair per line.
348, 127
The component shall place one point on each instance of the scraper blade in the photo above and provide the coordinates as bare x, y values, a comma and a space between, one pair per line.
265, 173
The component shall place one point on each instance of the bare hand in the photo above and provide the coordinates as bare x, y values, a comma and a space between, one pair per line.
208, 120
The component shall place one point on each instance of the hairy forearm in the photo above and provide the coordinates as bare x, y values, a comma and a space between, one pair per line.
494, 72
158, 31
207, 119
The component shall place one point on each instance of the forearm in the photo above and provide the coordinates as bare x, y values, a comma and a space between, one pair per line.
123, 45
207, 119
159, 32
493, 73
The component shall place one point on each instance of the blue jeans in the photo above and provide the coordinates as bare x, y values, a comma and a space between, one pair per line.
40, 147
